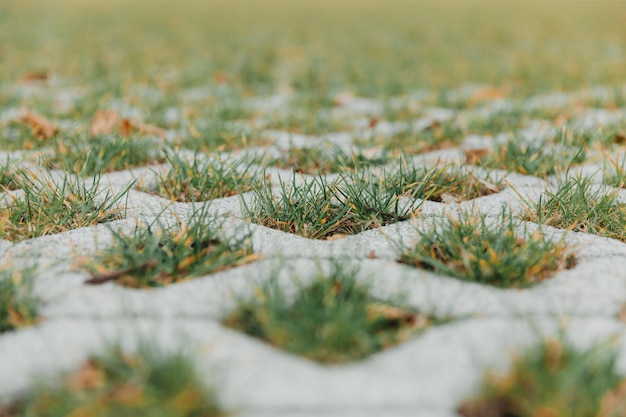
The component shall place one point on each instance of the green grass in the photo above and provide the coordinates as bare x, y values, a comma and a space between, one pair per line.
333, 319
215, 135
305, 121
15, 137
471, 249
18, 305
154, 257
317, 47
317, 160
410, 140
553, 379
614, 171
9, 176
536, 159
118, 384
102, 153
319, 209
442, 183
53, 207
202, 179
510, 120
575, 206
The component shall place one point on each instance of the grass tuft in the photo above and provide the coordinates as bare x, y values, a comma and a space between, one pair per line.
532, 158
332, 320
554, 379
312, 161
48, 208
201, 180
18, 306
154, 257
100, 154
447, 184
146, 383
471, 249
317, 209
576, 206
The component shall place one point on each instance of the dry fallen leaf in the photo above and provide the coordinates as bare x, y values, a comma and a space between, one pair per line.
220, 77
104, 121
614, 402
473, 156
127, 127
34, 76
489, 186
337, 236
373, 122
153, 130
341, 99
88, 376
485, 94
42, 127
620, 138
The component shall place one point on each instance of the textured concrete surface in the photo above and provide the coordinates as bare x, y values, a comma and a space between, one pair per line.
429, 375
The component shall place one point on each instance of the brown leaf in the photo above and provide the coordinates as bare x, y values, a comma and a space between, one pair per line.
152, 130
127, 127
433, 125
42, 128
104, 121
485, 94
341, 99
473, 156
10, 410
489, 186
397, 314
337, 236
620, 138
614, 402
220, 77
128, 395
88, 376
34, 77
373, 122
488, 407
621, 315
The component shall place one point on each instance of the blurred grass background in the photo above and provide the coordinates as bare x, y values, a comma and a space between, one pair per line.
375, 48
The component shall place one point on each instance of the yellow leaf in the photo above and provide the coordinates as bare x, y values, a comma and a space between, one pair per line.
42, 128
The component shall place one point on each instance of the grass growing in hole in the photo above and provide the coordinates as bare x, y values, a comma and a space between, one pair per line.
615, 173
315, 160
200, 180
471, 249
308, 122
441, 183
317, 209
103, 153
554, 379
219, 135
18, 305
532, 158
15, 137
154, 257
8, 177
48, 208
146, 383
332, 320
412, 140
603, 137
575, 206
509, 120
